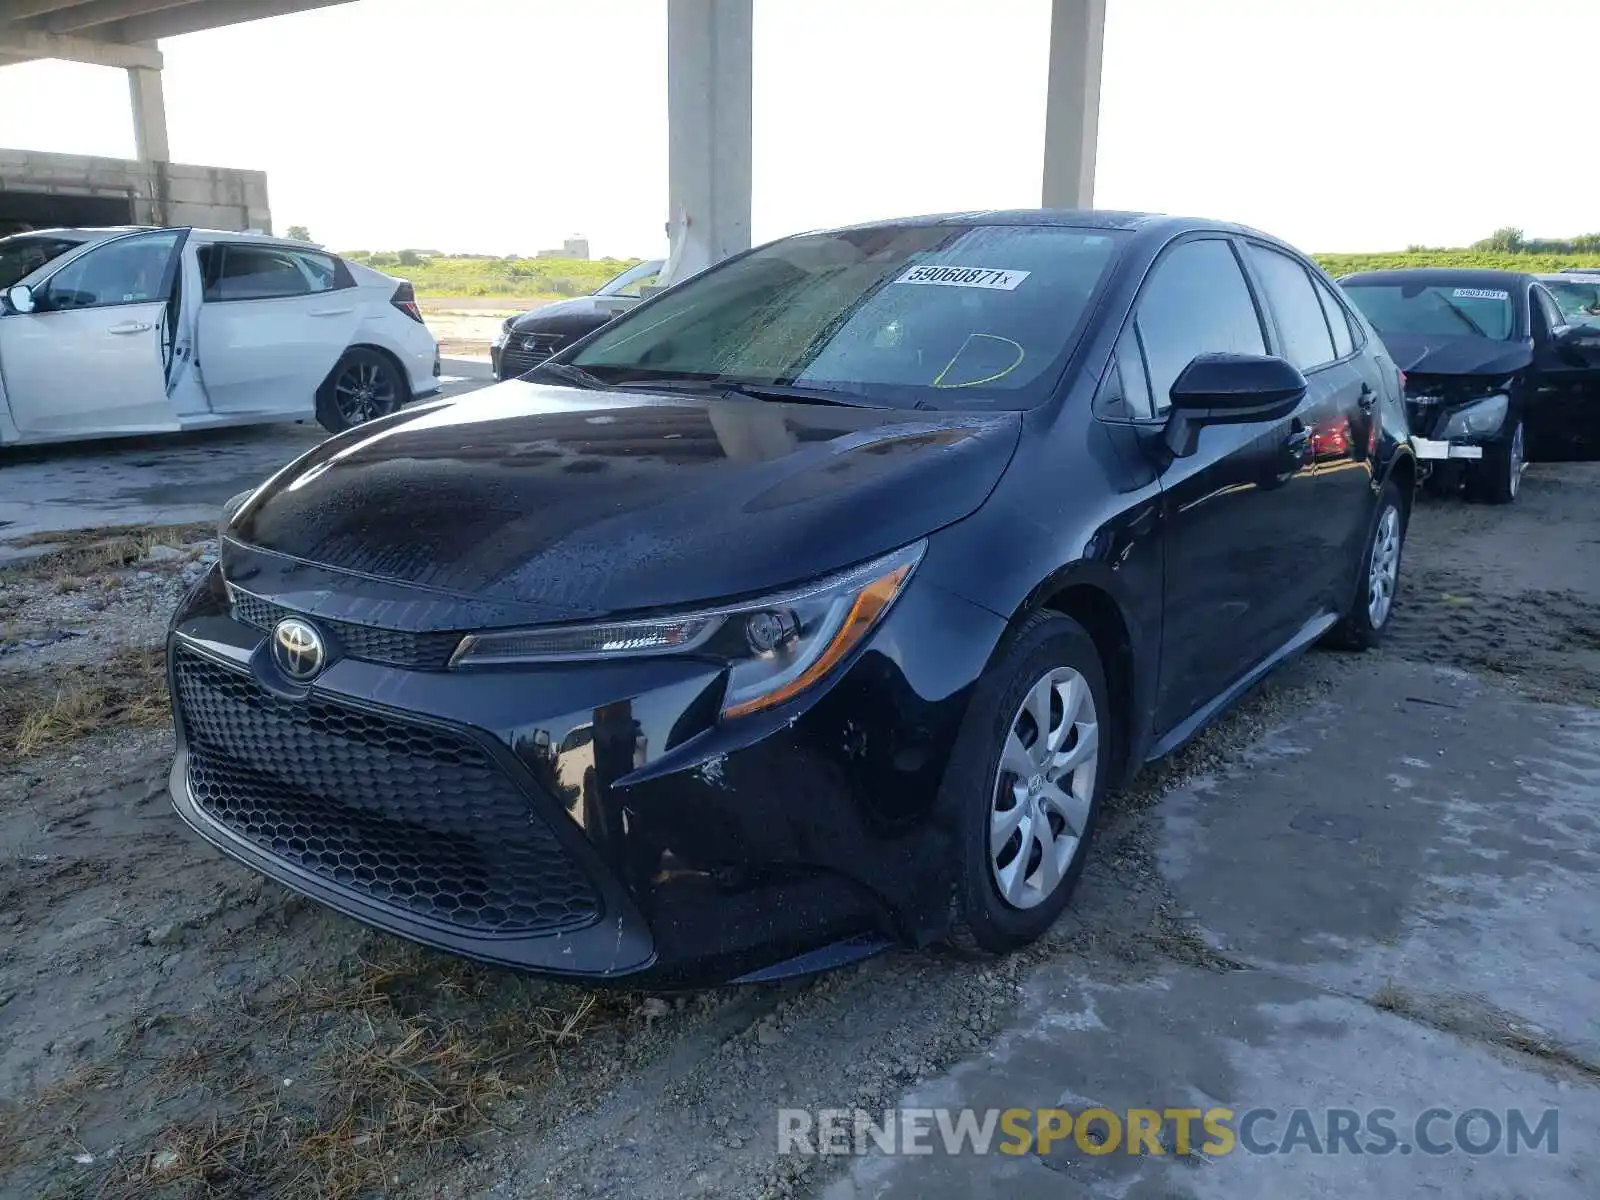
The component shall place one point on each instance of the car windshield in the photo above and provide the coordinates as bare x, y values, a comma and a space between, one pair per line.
932, 316
632, 281
1436, 309
1579, 299
22, 256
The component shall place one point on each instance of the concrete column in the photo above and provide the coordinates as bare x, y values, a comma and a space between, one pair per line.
1072, 105
709, 87
149, 114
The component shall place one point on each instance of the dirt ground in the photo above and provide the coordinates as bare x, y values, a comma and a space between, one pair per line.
173, 1026
465, 327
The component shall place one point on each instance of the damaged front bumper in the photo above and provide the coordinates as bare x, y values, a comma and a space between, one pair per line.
1428, 448
586, 820
1459, 430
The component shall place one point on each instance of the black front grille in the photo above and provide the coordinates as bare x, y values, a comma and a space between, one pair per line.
523, 352
417, 818
391, 647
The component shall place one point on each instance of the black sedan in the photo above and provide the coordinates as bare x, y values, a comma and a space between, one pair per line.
811, 607
1492, 367
528, 339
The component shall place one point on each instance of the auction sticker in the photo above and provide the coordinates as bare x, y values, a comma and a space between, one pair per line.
1480, 294
972, 277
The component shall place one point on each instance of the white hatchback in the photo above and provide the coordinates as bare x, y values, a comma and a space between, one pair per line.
105, 332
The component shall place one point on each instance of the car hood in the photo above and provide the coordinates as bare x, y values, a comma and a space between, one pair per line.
586, 312
1457, 355
562, 504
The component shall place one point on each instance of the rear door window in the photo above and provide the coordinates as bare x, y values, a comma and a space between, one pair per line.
1307, 342
238, 272
1196, 302
1338, 319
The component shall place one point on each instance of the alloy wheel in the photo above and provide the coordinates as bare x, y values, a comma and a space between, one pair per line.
1044, 788
1385, 570
1515, 462
363, 391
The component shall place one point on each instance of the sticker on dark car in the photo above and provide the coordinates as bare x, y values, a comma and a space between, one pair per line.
1480, 294
977, 277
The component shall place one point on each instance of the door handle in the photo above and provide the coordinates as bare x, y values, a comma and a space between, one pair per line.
128, 327
1369, 398
331, 312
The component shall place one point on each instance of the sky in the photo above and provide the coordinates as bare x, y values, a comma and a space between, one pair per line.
502, 126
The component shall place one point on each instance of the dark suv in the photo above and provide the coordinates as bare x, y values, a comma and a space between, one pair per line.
811, 606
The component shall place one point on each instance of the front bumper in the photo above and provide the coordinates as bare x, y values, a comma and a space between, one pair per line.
1427, 448
592, 821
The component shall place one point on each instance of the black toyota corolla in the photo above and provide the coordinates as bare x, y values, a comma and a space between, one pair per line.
810, 607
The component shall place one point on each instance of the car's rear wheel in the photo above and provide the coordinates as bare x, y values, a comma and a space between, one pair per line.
362, 386
1497, 478
1025, 780
1363, 624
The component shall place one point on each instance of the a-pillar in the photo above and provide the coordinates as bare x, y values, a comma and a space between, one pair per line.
1072, 103
709, 90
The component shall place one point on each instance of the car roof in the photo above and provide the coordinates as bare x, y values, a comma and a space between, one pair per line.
89, 233
1077, 218
1482, 276
1588, 276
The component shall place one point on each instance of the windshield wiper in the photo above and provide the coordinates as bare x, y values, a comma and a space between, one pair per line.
783, 392
568, 373
1462, 313
787, 393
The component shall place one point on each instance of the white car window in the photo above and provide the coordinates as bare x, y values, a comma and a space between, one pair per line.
130, 270
235, 272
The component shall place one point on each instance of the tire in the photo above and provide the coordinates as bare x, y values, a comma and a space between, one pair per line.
1054, 654
1362, 625
363, 386
1497, 477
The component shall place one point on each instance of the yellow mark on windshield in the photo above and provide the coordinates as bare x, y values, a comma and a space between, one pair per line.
938, 380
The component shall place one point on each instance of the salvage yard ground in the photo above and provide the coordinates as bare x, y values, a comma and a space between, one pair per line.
1374, 885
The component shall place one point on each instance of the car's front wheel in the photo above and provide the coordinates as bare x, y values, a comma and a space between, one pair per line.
1497, 477
362, 386
1025, 780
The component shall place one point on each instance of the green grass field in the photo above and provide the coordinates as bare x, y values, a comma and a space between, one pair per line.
1343, 264
552, 278
525, 278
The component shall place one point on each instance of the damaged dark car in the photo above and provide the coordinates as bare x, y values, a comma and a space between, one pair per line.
1496, 373
810, 608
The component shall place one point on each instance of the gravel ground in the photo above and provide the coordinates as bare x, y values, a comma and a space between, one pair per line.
170, 1024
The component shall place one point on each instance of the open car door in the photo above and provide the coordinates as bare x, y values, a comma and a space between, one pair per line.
90, 357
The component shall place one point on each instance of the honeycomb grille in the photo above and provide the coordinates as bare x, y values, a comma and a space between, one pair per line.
523, 352
391, 647
414, 818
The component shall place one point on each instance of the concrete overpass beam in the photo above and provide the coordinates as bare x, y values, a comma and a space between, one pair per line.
1072, 104
27, 43
149, 115
709, 96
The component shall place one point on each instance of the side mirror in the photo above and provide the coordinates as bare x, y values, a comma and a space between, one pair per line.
20, 298
1229, 389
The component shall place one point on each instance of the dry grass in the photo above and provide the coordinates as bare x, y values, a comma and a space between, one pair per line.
78, 554
44, 709
388, 1080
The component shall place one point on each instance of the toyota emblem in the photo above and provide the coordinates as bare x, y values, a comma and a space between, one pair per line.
298, 650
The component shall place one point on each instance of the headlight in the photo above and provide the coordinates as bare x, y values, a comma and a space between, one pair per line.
774, 647
1476, 420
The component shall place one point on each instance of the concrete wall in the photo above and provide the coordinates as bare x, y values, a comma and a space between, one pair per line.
160, 193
